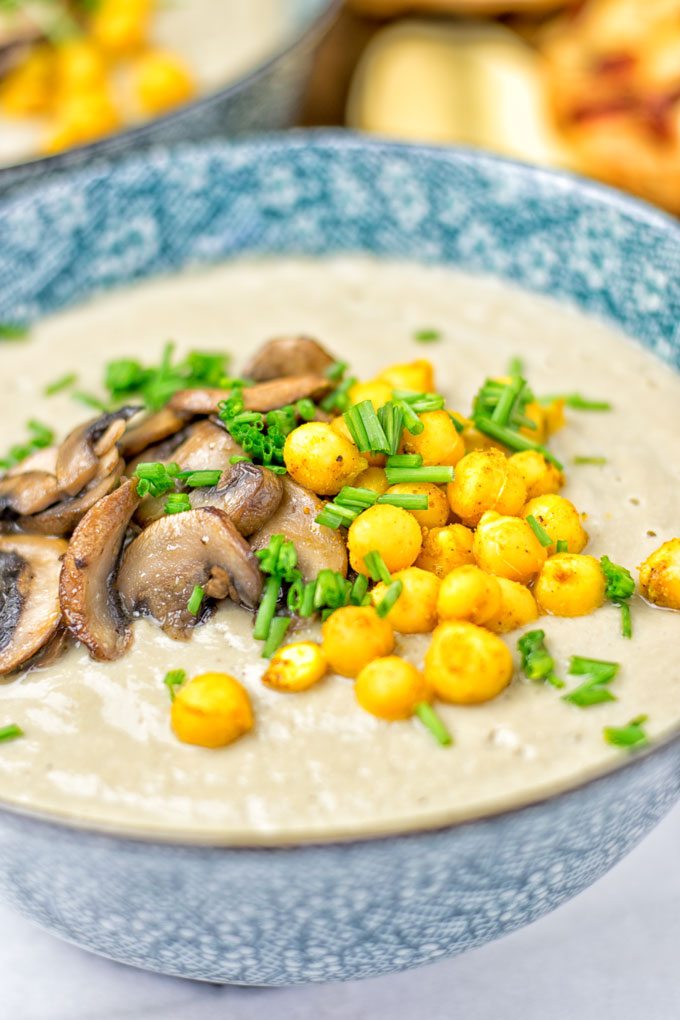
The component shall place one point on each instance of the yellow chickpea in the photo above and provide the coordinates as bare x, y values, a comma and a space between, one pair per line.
412, 375
162, 81
29, 87
539, 475
296, 667
212, 710
467, 593
79, 65
507, 546
373, 478
391, 688
339, 425
438, 443
83, 117
570, 584
444, 549
415, 611
319, 458
466, 664
560, 518
660, 575
389, 530
517, 609
437, 513
485, 480
121, 27
353, 636
377, 391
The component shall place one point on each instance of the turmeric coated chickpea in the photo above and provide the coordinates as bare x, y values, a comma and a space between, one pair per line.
415, 611
373, 478
438, 443
339, 425
467, 593
485, 480
466, 664
517, 609
570, 584
28, 88
162, 81
412, 375
560, 518
296, 667
507, 547
353, 636
212, 710
437, 513
444, 549
391, 688
79, 64
377, 391
121, 27
389, 530
82, 117
539, 475
319, 458
660, 575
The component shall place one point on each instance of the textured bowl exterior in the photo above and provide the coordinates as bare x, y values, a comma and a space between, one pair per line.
358, 909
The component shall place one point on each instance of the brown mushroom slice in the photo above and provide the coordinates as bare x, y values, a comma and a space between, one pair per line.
42, 460
28, 493
266, 396
49, 653
153, 429
247, 493
29, 596
318, 547
64, 516
78, 457
89, 601
288, 355
164, 564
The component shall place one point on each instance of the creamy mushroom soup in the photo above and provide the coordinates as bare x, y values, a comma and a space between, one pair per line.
98, 747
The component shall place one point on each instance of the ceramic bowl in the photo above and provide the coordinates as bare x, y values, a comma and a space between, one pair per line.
335, 911
266, 98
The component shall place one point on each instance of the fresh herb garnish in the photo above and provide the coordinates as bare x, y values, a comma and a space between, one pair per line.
515, 366
631, 736
434, 723
539, 531
590, 460
90, 400
127, 377
64, 383
13, 331
154, 478
594, 690
562, 546
365, 429
438, 474
173, 679
279, 558
262, 437
177, 503
512, 439
498, 411
10, 732
336, 371
391, 418
390, 598
577, 402
377, 568
200, 479
420, 402
277, 632
619, 587
40, 436
196, 600
405, 460
537, 663
427, 335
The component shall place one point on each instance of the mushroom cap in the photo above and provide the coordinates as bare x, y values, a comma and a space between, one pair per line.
249, 494
88, 599
28, 493
63, 517
29, 596
163, 565
263, 397
288, 355
79, 454
152, 429
318, 548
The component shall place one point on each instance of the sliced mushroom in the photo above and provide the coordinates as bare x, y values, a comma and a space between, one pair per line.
288, 355
64, 516
89, 601
50, 652
29, 596
318, 547
164, 564
28, 493
266, 396
162, 452
42, 460
153, 429
79, 454
247, 493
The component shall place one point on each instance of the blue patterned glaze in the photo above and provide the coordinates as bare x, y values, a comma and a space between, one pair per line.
337, 911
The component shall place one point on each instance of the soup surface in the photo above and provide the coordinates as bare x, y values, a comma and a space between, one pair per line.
98, 747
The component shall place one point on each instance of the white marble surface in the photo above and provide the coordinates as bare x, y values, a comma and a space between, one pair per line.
612, 952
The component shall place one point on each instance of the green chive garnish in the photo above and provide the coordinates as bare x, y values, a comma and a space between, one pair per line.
13, 331
355, 498
562, 546
173, 679
537, 663
405, 460
406, 500
89, 400
434, 723
196, 600
335, 516
577, 402
619, 587
515, 366
513, 440
240, 459
277, 632
594, 691
590, 460
265, 613
177, 503
306, 409
428, 335
391, 418
539, 531
376, 567
631, 736
64, 383
365, 428
336, 371
412, 422
438, 475
10, 732
389, 599
200, 479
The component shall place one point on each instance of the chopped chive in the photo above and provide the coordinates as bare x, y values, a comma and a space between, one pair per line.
626, 621
177, 503
594, 690
577, 402
13, 331
338, 400
515, 366
590, 460
200, 479
537, 663
240, 459
295, 593
196, 600
631, 736
434, 723
365, 428
61, 384
412, 422
405, 460
352, 497
600, 668
562, 545
420, 402
335, 516
389, 599
539, 531
502, 412
376, 567
428, 335
438, 475
457, 424
174, 678
265, 613
277, 632
406, 500
511, 439
89, 400
391, 418
336, 371
307, 602
619, 587
306, 409
359, 590
10, 732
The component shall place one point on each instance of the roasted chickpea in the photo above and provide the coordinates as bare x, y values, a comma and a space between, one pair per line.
353, 636
162, 81
320, 459
517, 609
466, 664
377, 391
82, 117
373, 478
28, 88
660, 575
444, 549
507, 546
415, 611
79, 65
561, 520
413, 375
485, 480
212, 710
437, 513
539, 475
296, 667
391, 688
467, 593
339, 425
389, 530
438, 443
121, 27
570, 585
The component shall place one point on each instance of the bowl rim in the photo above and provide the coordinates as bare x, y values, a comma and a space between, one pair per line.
333, 139
113, 145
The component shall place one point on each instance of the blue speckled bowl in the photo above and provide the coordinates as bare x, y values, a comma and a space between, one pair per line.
337, 911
